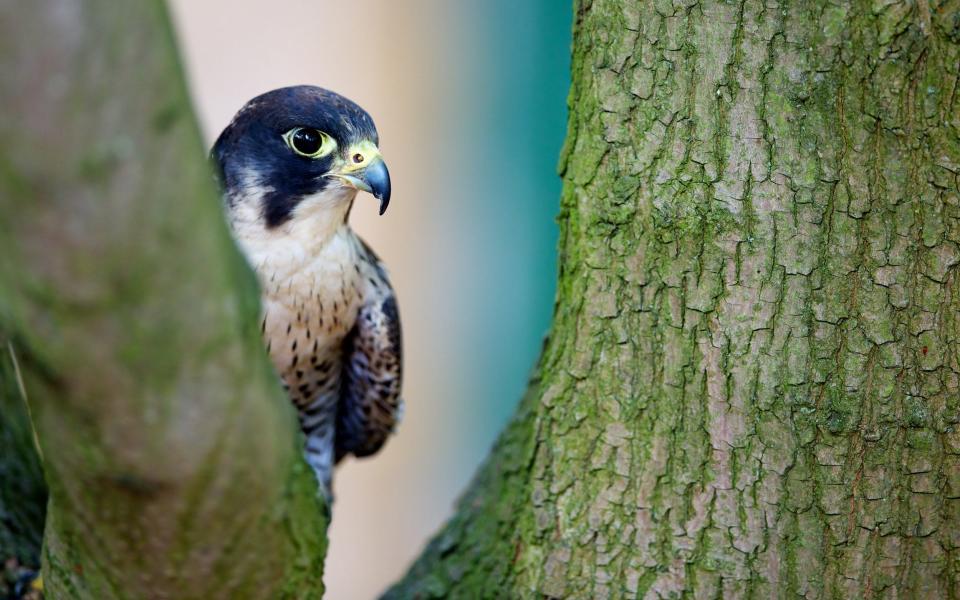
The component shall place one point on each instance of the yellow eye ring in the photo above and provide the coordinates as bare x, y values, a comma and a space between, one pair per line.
310, 142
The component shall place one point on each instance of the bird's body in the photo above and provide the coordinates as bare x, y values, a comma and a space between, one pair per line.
329, 317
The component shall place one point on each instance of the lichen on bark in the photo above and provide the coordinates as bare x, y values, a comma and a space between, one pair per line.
751, 382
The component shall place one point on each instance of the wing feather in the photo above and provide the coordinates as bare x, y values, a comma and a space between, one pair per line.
370, 405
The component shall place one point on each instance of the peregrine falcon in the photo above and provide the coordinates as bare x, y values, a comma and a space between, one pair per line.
289, 166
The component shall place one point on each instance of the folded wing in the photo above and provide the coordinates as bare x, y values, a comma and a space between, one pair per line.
370, 405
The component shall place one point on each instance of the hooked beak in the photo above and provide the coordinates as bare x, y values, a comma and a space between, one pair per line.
374, 178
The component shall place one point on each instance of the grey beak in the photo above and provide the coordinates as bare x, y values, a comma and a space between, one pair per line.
377, 177
374, 178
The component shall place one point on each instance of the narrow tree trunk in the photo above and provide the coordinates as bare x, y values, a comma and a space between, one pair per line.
171, 455
751, 385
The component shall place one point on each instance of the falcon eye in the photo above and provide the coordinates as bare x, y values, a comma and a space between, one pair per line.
309, 142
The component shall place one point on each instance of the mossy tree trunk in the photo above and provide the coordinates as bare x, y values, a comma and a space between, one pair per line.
752, 383
171, 455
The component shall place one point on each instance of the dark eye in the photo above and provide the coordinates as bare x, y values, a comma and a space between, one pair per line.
309, 142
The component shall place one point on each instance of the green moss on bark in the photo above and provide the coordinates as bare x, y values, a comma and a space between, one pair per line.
173, 459
751, 382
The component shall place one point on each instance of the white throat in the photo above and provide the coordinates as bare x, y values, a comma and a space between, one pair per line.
312, 225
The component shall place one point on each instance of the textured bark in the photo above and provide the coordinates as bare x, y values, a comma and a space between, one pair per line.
171, 455
751, 384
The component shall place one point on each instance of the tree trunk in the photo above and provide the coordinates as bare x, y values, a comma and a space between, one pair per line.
751, 384
171, 455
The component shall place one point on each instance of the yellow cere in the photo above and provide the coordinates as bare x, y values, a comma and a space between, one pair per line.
360, 155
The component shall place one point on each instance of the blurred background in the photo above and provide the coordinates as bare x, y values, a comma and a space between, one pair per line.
470, 102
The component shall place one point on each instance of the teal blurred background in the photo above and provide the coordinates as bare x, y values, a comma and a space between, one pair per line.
470, 102
515, 77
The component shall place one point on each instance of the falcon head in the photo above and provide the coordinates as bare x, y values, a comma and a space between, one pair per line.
298, 149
